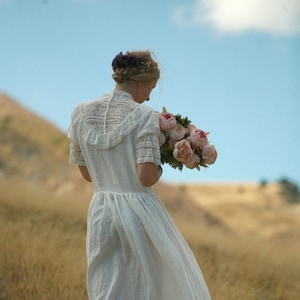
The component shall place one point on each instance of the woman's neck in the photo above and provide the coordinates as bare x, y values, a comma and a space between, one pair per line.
129, 87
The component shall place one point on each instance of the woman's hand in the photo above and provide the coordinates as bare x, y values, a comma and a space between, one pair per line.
148, 173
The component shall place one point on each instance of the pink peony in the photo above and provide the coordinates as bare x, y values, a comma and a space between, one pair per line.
166, 121
209, 154
193, 162
183, 151
191, 127
171, 143
198, 138
161, 139
178, 132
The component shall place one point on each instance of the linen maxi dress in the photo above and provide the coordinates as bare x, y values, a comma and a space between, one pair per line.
134, 250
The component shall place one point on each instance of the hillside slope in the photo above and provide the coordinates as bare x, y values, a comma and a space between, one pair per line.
249, 208
30, 146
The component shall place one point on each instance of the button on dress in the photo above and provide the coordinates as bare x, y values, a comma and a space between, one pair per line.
134, 250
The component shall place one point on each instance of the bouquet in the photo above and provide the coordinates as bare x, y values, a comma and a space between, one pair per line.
183, 144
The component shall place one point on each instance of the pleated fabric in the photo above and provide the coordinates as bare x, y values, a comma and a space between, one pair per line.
135, 251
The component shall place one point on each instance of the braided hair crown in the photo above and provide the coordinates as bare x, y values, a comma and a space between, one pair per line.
135, 66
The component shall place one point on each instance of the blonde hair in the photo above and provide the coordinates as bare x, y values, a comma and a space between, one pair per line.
135, 66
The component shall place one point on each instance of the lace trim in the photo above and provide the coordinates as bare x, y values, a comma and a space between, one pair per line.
76, 157
110, 139
147, 150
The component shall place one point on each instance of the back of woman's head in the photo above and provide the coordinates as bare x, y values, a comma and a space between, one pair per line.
135, 66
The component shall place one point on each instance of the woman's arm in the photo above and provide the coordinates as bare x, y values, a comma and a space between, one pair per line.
148, 173
85, 173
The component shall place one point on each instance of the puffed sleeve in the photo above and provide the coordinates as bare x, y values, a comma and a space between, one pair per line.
76, 157
147, 144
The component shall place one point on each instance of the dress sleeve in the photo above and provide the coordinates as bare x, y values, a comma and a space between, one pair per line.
76, 157
147, 144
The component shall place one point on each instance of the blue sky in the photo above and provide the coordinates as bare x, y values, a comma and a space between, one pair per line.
232, 67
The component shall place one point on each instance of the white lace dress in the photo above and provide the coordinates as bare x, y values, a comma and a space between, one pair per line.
134, 250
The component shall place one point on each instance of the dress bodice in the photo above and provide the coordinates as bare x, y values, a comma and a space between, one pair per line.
111, 136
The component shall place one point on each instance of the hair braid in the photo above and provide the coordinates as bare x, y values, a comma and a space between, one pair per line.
135, 66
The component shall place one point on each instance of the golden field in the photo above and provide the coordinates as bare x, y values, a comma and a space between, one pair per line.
42, 238
245, 237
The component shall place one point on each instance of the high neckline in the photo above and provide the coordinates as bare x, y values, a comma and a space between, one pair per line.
120, 92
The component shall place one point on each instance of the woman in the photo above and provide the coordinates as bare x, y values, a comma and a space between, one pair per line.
134, 251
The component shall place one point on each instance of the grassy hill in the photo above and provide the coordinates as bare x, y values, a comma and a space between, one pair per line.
32, 150
244, 236
30, 142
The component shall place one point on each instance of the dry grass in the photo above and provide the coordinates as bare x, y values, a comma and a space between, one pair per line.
42, 247
42, 255
240, 267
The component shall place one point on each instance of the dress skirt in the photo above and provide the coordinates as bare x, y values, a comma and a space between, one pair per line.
135, 251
